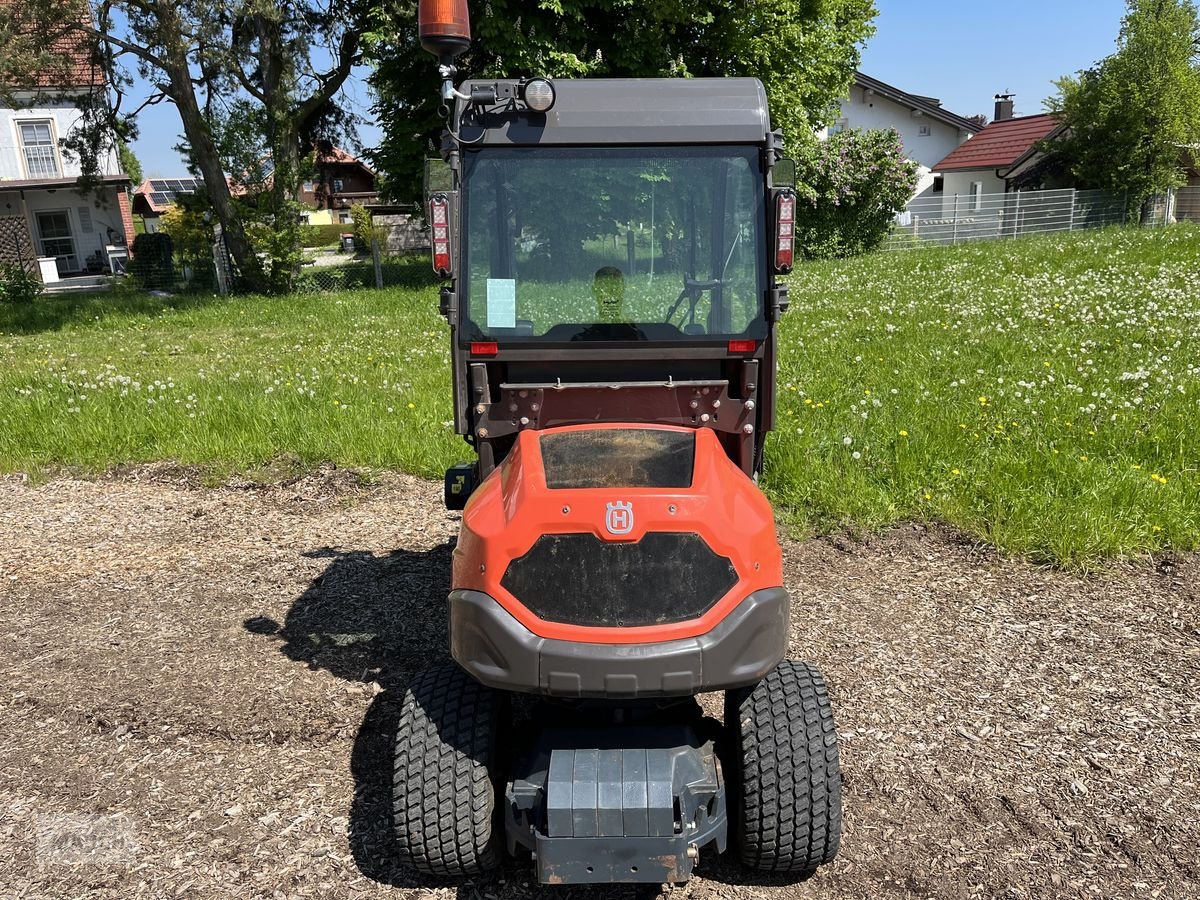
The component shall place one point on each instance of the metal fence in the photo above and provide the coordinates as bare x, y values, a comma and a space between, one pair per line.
1179, 205
941, 219
397, 255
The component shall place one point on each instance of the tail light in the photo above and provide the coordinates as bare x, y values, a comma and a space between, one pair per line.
444, 27
785, 230
439, 221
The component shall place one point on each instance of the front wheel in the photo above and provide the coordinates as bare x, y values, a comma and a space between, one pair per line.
443, 793
783, 751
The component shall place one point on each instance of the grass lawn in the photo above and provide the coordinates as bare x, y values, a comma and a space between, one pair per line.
1043, 393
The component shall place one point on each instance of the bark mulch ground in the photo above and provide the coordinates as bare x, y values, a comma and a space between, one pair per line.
200, 687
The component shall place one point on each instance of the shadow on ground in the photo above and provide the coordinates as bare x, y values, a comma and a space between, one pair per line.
369, 618
53, 313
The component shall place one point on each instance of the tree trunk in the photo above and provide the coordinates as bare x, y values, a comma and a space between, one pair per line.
206, 156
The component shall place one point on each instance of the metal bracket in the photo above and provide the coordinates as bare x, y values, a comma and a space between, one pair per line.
698, 404
448, 304
778, 302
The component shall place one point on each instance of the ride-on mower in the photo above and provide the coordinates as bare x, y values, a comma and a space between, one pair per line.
611, 250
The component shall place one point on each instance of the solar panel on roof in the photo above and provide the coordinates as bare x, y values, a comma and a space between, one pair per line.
162, 199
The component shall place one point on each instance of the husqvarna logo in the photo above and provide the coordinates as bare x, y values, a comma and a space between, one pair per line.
618, 517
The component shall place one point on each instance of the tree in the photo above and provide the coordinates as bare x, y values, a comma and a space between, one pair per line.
853, 185
225, 65
130, 164
1131, 119
805, 52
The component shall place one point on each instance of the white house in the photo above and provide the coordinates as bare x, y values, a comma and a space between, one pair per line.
42, 210
928, 131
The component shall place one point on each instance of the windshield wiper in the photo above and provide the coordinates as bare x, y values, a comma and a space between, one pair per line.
693, 289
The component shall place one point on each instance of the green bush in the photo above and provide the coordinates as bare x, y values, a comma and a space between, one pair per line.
18, 285
854, 184
364, 229
324, 235
153, 264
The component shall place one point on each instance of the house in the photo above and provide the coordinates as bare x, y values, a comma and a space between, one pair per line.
928, 131
340, 181
47, 222
1005, 156
155, 196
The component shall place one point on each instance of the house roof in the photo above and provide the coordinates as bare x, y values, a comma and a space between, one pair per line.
76, 61
1000, 144
158, 194
24, 184
927, 106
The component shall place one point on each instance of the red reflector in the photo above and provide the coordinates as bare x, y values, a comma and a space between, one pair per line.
484, 348
785, 231
439, 218
742, 346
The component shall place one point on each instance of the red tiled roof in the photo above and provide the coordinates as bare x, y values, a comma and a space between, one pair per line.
75, 58
336, 155
1000, 144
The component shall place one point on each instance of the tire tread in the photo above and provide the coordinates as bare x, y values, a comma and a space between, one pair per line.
443, 797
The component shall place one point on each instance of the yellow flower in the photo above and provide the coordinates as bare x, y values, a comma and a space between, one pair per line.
956, 471
928, 496
903, 433
983, 401
1136, 466
412, 406
1156, 528
1083, 457
1159, 478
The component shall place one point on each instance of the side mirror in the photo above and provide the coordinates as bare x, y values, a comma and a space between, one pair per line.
439, 177
783, 174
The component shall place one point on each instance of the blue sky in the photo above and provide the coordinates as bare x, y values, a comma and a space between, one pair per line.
960, 51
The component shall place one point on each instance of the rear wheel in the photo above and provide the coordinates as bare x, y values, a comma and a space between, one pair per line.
443, 793
783, 753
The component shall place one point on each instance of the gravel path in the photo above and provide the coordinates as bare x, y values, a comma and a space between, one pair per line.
200, 683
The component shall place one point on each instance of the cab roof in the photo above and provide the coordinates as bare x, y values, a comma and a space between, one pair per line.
632, 111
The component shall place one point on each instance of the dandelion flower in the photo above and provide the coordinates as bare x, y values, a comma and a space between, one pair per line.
903, 433
847, 440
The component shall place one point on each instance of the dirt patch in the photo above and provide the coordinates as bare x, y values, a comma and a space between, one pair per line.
200, 690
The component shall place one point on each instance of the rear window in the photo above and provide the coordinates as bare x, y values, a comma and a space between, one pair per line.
618, 457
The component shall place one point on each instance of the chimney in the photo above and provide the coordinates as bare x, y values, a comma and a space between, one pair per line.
1004, 107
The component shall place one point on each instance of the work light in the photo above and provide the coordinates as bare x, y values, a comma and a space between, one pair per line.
538, 94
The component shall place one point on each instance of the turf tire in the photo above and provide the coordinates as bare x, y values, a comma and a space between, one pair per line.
443, 790
787, 786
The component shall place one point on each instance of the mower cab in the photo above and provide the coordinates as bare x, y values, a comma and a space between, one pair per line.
611, 250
